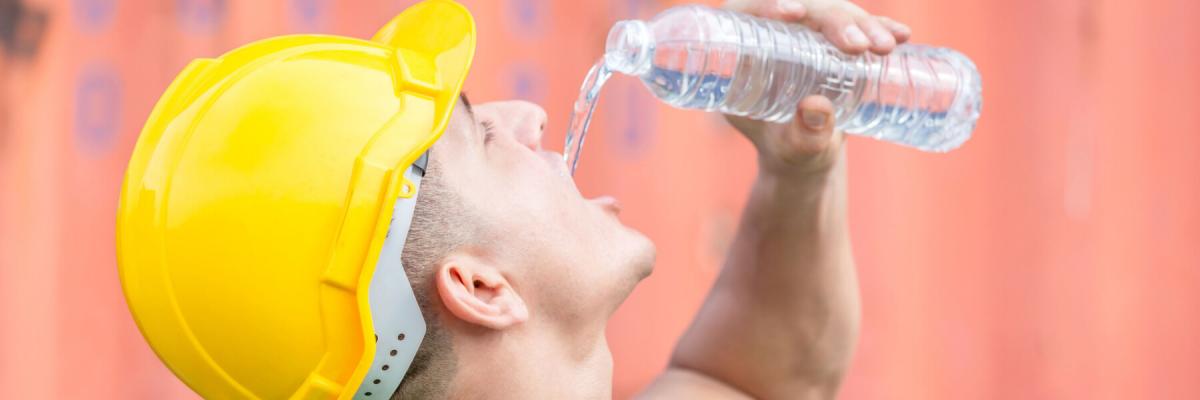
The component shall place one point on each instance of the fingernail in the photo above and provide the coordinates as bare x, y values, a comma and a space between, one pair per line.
855, 36
881, 38
788, 7
815, 120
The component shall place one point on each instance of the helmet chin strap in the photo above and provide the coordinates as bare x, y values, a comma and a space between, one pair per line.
399, 326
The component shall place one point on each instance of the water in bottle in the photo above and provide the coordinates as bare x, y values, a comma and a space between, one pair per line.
697, 57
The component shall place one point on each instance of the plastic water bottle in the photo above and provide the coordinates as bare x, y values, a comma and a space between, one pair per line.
698, 57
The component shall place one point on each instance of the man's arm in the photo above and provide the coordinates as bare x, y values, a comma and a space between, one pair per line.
783, 317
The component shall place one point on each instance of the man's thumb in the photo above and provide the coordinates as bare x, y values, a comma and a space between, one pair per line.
816, 115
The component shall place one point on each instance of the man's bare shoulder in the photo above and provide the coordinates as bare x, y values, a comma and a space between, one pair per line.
678, 383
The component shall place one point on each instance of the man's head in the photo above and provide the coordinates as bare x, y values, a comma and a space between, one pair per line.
255, 203
503, 245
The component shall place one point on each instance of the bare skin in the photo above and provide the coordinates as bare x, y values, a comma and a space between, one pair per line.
783, 318
527, 301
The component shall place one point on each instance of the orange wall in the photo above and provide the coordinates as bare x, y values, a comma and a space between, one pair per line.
1054, 256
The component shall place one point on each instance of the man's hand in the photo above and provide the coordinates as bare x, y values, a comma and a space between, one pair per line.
808, 145
846, 25
782, 319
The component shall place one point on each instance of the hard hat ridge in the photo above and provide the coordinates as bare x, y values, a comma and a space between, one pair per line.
267, 201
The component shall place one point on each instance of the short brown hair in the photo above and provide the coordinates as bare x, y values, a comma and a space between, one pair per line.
428, 241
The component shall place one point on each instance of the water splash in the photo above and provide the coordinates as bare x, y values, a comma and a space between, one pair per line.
581, 115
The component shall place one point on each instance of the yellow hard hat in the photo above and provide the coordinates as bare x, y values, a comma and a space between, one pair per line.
267, 202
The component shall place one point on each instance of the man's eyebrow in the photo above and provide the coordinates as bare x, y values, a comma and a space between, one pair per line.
466, 103
470, 111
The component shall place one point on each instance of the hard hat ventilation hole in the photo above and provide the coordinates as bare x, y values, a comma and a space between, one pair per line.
401, 337
393, 353
376, 338
375, 381
385, 367
367, 394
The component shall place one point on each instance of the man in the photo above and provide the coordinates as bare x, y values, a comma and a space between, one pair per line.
514, 272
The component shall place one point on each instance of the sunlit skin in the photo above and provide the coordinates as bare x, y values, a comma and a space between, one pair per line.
528, 305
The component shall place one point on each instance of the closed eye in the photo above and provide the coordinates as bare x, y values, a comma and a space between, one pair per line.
489, 131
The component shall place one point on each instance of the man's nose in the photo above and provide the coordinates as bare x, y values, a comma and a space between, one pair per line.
530, 124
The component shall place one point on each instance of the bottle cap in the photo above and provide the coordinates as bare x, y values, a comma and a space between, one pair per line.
629, 47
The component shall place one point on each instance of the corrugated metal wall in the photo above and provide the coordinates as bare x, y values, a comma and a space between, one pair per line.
1056, 255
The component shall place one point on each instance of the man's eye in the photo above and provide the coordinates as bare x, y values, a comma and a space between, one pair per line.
489, 131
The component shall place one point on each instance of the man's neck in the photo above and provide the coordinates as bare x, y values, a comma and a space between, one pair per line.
524, 365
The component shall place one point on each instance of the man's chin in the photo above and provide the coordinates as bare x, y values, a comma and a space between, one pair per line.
634, 262
642, 256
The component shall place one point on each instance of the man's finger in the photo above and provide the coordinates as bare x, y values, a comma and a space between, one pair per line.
753, 7
791, 10
784, 10
882, 40
900, 31
816, 115
840, 28
810, 135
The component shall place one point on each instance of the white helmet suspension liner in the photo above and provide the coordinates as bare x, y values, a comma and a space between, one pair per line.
399, 325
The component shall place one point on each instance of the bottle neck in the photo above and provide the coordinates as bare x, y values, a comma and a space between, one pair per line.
629, 47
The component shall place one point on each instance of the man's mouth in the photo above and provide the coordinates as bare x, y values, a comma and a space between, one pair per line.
555, 161
608, 203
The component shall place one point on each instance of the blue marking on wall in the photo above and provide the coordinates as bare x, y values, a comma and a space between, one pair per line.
98, 97
526, 16
528, 82
632, 115
200, 16
633, 8
309, 14
93, 15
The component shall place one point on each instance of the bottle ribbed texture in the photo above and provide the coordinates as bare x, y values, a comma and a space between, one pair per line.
718, 60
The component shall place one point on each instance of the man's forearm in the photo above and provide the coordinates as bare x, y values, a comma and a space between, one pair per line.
783, 317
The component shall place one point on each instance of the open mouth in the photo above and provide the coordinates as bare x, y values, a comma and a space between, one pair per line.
556, 162
608, 204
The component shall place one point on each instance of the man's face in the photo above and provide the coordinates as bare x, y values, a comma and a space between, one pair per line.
568, 257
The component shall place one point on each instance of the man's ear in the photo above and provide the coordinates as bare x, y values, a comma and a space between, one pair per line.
476, 292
